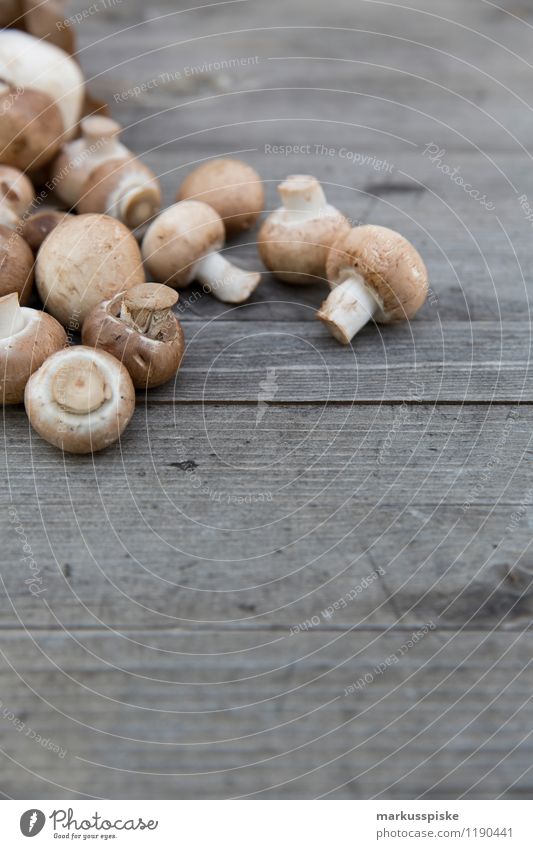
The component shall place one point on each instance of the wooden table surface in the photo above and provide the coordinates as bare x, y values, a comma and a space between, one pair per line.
306, 570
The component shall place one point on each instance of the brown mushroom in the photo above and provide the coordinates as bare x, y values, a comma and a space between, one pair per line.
36, 227
126, 190
99, 142
139, 329
16, 196
233, 188
31, 127
80, 400
27, 338
295, 239
84, 260
183, 244
16, 265
48, 19
373, 273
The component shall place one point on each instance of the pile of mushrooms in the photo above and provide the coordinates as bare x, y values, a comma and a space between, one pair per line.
90, 272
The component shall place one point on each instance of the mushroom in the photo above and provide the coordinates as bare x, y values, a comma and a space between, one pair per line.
183, 244
99, 142
373, 273
295, 239
27, 338
80, 400
139, 329
233, 188
36, 227
16, 265
16, 196
31, 127
10, 12
31, 63
84, 260
128, 191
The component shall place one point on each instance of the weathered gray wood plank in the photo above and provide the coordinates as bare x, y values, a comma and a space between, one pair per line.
227, 715
247, 516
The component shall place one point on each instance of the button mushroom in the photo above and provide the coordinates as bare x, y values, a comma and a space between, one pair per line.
99, 142
84, 260
16, 265
128, 191
295, 239
233, 188
27, 338
80, 400
36, 227
373, 273
183, 244
16, 195
31, 127
57, 74
139, 329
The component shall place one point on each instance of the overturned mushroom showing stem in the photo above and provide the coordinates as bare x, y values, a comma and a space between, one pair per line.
374, 273
233, 188
80, 400
127, 190
295, 239
84, 260
183, 244
16, 265
36, 227
33, 64
27, 338
99, 142
16, 195
139, 329
31, 127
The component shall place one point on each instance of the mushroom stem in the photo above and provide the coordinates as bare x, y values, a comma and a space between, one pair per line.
348, 308
80, 388
147, 309
302, 196
136, 206
224, 280
11, 316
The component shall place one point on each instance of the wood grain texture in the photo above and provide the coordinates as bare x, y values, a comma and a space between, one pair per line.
181, 615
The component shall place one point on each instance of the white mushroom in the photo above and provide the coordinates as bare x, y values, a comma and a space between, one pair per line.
374, 273
80, 400
184, 244
31, 63
295, 239
27, 338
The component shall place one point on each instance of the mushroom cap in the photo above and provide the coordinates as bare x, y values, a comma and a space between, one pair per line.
16, 196
31, 63
69, 377
126, 190
24, 352
10, 12
16, 265
31, 128
389, 265
84, 260
295, 249
36, 227
232, 187
150, 362
178, 238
